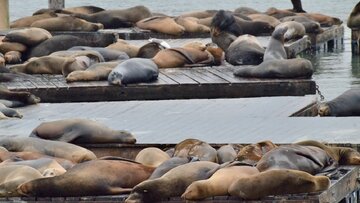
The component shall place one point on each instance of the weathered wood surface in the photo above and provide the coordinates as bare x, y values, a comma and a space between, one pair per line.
329, 38
177, 83
343, 182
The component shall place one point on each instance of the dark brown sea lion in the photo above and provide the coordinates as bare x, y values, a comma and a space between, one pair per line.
218, 184
277, 13
278, 182
324, 20
22, 98
222, 39
346, 104
12, 57
97, 177
27, 21
161, 24
149, 50
297, 7
290, 68
310, 159
28, 36
66, 23
134, 70
353, 21
196, 148
252, 153
13, 176
275, 49
117, 18
52, 148
173, 183
152, 157
81, 131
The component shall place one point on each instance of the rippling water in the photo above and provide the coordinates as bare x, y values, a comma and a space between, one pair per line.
336, 71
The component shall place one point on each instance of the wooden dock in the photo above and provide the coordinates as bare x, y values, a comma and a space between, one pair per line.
332, 37
177, 83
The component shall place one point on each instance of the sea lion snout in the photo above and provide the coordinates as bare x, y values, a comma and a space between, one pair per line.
127, 137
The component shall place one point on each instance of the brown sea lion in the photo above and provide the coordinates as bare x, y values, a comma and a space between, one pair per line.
353, 21
81, 131
310, 159
278, 182
21, 97
27, 21
295, 30
310, 25
107, 54
192, 25
246, 11
196, 148
289, 68
346, 104
67, 23
218, 184
46, 166
277, 13
28, 36
9, 112
12, 57
222, 39
264, 18
275, 49
173, 183
2, 62
152, 157
122, 45
324, 20
12, 46
217, 54
13, 176
161, 24
97, 177
252, 153
64, 150
98, 71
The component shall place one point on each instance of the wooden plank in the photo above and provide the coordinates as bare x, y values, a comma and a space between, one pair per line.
178, 76
202, 76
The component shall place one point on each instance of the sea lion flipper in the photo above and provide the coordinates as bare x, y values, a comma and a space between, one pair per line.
120, 190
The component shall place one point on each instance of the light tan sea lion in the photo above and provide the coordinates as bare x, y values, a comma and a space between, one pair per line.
122, 45
28, 36
295, 30
12, 57
27, 21
12, 46
98, 71
265, 18
81, 131
218, 184
52, 148
173, 183
67, 23
13, 176
278, 13
192, 25
162, 24
252, 153
152, 157
97, 177
353, 21
199, 14
196, 148
278, 182
246, 11
324, 20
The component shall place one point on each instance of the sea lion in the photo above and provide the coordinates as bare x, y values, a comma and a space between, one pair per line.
66, 23
98, 71
246, 11
218, 184
97, 177
353, 21
216, 52
170, 164
122, 45
173, 183
9, 112
310, 25
13, 176
161, 24
295, 30
27, 21
81, 131
28, 36
310, 159
107, 54
277, 13
226, 153
275, 49
297, 7
278, 182
134, 70
196, 148
52, 148
64, 42
324, 20
264, 18
222, 39
117, 18
12, 46
289, 68
149, 50
346, 104
152, 157
12, 57
22, 98
46, 166
252, 153
245, 50
191, 25
45, 65
343, 155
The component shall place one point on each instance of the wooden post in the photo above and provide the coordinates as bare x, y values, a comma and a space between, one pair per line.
355, 46
56, 4
4, 14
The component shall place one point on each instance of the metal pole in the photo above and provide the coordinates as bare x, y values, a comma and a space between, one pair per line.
4, 14
56, 4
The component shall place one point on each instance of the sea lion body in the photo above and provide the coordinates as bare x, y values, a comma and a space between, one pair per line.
27, 21
226, 153
107, 54
290, 68
169, 164
264, 18
295, 30
97, 177
81, 131
12, 46
28, 36
122, 45
191, 25
275, 49
66, 23
246, 11
278, 182
346, 104
277, 13
12, 57
196, 148
22, 98
133, 70
161, 24
98, 71
324, 20
311, 26
152, 157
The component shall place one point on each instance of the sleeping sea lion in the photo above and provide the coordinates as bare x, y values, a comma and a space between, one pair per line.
346, 104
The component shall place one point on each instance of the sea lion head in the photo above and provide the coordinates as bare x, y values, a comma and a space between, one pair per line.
126, 137
196, 191
324, 110
348, 156
115, 78
279, 33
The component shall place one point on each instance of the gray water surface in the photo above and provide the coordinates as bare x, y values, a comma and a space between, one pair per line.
336, 71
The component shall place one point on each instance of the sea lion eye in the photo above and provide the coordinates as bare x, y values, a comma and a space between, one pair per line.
145, 191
